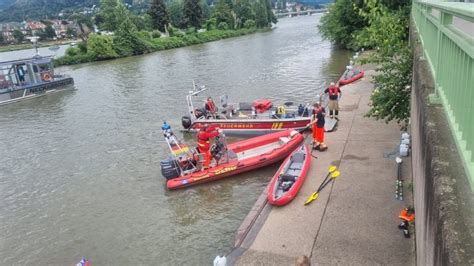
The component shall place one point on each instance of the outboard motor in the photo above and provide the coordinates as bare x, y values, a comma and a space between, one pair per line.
186, 121
170, 168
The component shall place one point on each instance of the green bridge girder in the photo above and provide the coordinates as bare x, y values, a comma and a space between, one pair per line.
446, 31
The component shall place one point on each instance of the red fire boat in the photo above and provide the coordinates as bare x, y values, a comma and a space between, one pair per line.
246, 118
231, 159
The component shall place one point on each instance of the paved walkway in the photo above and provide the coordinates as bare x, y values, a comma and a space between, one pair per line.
354, 221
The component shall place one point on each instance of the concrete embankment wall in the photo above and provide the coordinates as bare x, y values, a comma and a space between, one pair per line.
442, 196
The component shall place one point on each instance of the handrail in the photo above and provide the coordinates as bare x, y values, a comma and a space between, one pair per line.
449, 51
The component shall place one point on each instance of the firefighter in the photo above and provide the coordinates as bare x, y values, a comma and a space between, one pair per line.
318, 122
210, 107
203, 139
334, 93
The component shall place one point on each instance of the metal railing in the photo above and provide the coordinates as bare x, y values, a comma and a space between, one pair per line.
446, 31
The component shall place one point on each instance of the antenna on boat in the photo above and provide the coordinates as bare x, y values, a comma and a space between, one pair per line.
34, 41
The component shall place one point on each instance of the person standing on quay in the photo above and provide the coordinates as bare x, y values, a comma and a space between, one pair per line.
334, 93
318, 122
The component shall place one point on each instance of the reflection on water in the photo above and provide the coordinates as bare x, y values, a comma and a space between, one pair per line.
79, 171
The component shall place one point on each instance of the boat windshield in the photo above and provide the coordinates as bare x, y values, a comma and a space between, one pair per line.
25, 72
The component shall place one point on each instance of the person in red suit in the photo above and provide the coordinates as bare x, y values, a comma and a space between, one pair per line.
204, 146
211, 107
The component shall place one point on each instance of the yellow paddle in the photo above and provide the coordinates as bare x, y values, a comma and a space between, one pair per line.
331, 169
315, 195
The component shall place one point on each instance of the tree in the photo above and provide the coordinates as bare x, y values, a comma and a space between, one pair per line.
18, 35
70, 32
159, 15
108, 13
270, 16
2, 40
223, 13
341, 24
261, 17
243, 11
126, 41
100, 47
192, 13
142, 22
176, 14
49, 32
206, 10
83, 22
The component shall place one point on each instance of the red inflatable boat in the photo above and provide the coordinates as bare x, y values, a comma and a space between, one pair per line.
290, 177
350, 76
244, 156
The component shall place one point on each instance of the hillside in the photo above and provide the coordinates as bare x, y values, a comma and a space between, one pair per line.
19, 10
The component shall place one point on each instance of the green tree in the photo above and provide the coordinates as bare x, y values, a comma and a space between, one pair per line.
176, 14
84, 23
159, 15
18, 35
142, 22
100, 47
108, 13
206, 10
249, 23
342, 23
223, 13
388, 31
261, 16
270, 16
192, 13
49, 32
243, 11
391, 98
2, 40
70, 32
127, 41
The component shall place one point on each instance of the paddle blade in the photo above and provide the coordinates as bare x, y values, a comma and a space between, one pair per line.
311, 198
335, 174
332, 168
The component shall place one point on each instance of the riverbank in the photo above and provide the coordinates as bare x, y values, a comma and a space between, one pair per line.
354, 221
157, 44
25, 46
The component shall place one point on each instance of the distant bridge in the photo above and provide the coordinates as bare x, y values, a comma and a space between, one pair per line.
300, 13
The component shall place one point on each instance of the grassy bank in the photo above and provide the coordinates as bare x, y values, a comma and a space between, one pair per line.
87, 53
24, 46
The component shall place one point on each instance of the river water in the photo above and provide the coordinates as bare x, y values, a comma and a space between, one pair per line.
79, 170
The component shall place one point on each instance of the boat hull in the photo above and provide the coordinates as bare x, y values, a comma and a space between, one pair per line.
245, 163
253, 126
295, 188
345, 81
36, 90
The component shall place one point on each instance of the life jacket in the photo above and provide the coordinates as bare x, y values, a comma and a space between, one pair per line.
280, 110
211, 106
333, 90
203, 140
407, 215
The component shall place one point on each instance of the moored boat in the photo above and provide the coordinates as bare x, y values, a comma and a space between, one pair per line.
350, 75
29, 78
290, 177
247, 118
235, 158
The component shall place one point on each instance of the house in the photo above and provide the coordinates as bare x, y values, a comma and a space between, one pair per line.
7, 29
35, 26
